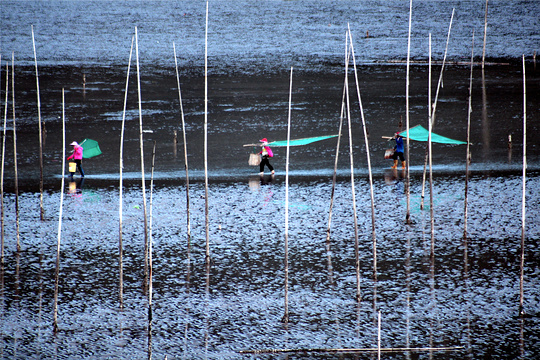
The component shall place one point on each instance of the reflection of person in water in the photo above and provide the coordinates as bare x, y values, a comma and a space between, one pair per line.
266, 153
398, 152
77, 158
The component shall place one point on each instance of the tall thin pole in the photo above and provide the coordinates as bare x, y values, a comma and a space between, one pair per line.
286, 315
206, 209
57, 272
121, 186
142, 163
407, 181
439, 85
3, 163
468, 157
185, 153
17, 219
353, 190
42, 210
522, 265
485, 36
373, 233
334, 178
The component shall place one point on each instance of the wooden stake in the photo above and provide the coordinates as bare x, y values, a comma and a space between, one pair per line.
353, 190
142, 164
286, 315
468, 156
42, 210
17, 219
373, 233
3, 164
121, 187
57, 271
523, 202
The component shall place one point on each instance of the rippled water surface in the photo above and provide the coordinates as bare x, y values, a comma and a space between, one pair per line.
466, 297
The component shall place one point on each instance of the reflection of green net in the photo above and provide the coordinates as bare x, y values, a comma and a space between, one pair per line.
419, 133
298, 142
90, 148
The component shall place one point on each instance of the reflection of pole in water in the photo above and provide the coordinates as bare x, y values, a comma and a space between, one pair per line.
57, 271
175, 143
485, 119
522, 262
17, 220
150, 267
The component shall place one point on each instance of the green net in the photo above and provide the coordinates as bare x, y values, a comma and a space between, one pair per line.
90, 148
298, 142
419, 133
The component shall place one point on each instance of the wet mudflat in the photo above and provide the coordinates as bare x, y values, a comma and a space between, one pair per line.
467, 295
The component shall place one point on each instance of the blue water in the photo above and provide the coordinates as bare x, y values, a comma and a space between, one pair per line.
257, 35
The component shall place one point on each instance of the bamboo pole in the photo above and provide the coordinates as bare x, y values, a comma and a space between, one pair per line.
188, 214
468, 156
433, 108
57, 271
407, 157
334, 177
121, 187
142, 163
206, 209
41, 209
372, 196
3, 164
522, 262
285, 318
430, 156
353, 190
17, 218
439, 84
379, 336
485, 36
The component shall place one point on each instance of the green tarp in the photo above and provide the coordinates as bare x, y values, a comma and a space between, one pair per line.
419, 133
298, 142
90, 148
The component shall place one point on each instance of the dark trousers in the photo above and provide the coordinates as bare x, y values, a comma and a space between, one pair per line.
79, 167
398, 154
265, 161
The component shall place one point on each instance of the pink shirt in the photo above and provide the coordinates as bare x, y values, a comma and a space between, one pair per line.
77, 153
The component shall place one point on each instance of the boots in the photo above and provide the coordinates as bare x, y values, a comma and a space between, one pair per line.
403, 163
395, 165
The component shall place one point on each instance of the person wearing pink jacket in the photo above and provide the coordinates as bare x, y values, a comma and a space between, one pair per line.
266, 152
77, 157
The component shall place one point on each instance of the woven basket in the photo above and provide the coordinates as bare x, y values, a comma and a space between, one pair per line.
254, 159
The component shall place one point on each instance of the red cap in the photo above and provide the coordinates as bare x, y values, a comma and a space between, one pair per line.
263, 140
